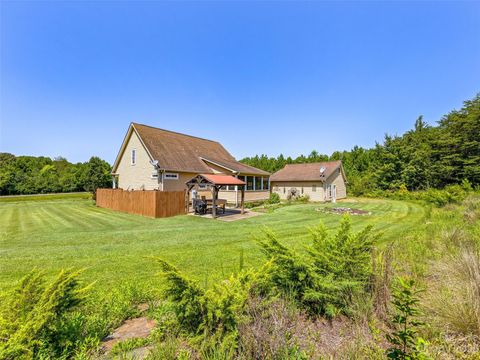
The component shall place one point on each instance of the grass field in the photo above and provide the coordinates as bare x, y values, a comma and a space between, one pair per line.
70, 231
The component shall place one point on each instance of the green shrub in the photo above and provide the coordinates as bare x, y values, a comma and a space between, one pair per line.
404, 340
438, 197
210, 315
34, 319
253, 204
274, 198
303, 199
334, 269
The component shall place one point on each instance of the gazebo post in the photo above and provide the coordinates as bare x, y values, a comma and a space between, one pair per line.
214, 201
187, 197
243, 199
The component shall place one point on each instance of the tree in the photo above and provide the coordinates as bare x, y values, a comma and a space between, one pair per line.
96, 175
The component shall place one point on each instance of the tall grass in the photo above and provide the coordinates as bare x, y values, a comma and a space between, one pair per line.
455, 300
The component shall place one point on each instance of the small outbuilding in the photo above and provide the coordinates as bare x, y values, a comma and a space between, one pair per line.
321, 181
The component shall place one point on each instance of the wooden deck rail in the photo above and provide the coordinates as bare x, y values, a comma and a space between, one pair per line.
150, 203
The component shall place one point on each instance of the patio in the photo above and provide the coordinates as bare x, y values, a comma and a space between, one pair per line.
230, 214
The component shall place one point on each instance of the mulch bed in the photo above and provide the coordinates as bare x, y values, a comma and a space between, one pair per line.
344, 210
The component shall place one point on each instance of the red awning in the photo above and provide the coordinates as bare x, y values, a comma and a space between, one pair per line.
222, 179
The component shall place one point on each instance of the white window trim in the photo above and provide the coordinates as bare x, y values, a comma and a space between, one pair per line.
133, 157
170, 176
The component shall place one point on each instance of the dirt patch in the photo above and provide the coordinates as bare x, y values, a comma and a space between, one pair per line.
134, 328
344, 210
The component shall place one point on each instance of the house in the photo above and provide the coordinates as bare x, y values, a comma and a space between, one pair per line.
155, 159
322, 181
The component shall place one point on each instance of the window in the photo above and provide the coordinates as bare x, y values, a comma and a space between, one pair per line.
258, 183
314, 188
223, 188
170, 176
265, 183
302, 190
284, 190
202, 186
134, 157
231, 187
249, 181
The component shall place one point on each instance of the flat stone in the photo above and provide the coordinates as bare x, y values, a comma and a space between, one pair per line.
134, 328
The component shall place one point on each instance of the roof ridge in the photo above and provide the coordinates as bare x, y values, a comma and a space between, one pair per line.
315, 163
174, 132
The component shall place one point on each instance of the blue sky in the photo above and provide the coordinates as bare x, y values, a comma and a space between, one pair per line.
260, 77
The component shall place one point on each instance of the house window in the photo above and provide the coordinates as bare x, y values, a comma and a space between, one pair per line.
249, 181
258, 183
231, 187
202, 186
265, 183
170, 176
302, 190
133, 157
284, 190
314, 188
223, 188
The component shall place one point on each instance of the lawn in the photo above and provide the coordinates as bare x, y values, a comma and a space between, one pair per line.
55, 233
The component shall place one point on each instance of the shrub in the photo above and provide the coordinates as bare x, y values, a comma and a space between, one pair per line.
335, 267
34, 318
211, 316
404, 340
303, 199
274, 198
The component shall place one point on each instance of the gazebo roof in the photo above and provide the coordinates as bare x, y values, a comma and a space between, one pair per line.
215, 180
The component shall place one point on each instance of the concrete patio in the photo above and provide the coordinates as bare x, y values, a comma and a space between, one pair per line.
231, 214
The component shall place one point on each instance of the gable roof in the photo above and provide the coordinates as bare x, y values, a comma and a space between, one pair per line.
307, 172
185, 153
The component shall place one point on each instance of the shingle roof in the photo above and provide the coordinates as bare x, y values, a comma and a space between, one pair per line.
179, 152
223, 179
306, 172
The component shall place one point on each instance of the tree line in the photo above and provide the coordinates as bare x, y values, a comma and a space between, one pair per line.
422, 158
21, 175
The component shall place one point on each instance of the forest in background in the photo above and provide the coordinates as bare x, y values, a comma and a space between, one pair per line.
424, 157
22, 175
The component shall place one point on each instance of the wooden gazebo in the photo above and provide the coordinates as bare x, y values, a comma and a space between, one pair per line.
215, 182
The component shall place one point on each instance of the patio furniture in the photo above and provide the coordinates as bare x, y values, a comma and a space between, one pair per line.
220, 203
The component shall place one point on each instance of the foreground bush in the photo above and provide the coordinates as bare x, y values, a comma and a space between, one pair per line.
34, 317
335, 268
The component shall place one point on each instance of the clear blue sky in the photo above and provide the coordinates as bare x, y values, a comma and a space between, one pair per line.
271, 77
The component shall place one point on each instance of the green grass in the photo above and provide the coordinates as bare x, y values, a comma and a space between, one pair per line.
41, 197
113, 247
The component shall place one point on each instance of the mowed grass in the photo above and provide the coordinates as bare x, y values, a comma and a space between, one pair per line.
114, 247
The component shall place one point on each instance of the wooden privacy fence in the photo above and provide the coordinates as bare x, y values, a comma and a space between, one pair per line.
151, 203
